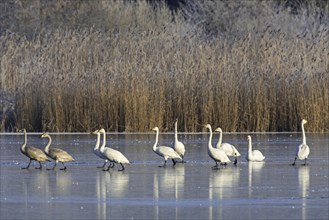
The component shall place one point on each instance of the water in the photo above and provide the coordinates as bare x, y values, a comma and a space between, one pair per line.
270, 190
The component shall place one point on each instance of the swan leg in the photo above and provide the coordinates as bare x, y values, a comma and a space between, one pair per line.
165, 162
174, 162
235, 161
27, 165
112, 165
40, 166
103, 165
216, 166
293, 164
123, 168
108, 168
64, 168
305, 162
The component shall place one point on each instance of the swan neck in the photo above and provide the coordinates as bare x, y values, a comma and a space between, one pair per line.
97, 141
104, 141
48, 144
210, 139
304, 136
220, 138
23, 147
176, 136
156, 140
249, 145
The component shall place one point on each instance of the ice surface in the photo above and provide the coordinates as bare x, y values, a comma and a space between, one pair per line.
269, 190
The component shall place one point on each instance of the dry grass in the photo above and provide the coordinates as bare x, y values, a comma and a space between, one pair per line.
149, 70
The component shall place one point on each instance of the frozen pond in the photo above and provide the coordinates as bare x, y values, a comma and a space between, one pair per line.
270, 190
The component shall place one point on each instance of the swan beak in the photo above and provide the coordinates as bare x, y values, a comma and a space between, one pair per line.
44, 135
94, 132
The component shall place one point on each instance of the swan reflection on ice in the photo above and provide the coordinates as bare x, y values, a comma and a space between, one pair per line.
101, 194
64, 182
171, 183
254, 170
222, 184
109, 185
117, 184
304, 186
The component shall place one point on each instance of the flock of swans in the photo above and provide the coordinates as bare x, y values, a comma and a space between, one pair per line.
220, 154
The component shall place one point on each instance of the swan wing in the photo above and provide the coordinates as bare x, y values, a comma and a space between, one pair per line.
36, 154
219, 155
257, 155
168, 152
303, 151
229, 150
108, 153
119, 157
60, 155
179, 148
236, 152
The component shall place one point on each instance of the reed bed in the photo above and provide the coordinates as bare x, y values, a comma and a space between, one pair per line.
154, 69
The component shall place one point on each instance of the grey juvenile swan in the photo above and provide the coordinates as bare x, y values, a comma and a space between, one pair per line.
32, 152
56, 154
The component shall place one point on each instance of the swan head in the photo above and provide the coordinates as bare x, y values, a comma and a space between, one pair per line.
94, 132
45, 135
304, 121
249, 138
176, 120
218, 129
102, 130
208, 126
21, 130
155, 129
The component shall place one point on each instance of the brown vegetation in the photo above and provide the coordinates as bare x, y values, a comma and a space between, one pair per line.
150, 69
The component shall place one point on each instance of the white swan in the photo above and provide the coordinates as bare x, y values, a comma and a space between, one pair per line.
33, 153
112, 155
56, 154
229, 149
179, 146
302, 151
164, 151
218, 155
253, 155
97, 150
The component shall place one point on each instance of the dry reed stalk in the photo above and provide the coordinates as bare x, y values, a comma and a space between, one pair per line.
148, 71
